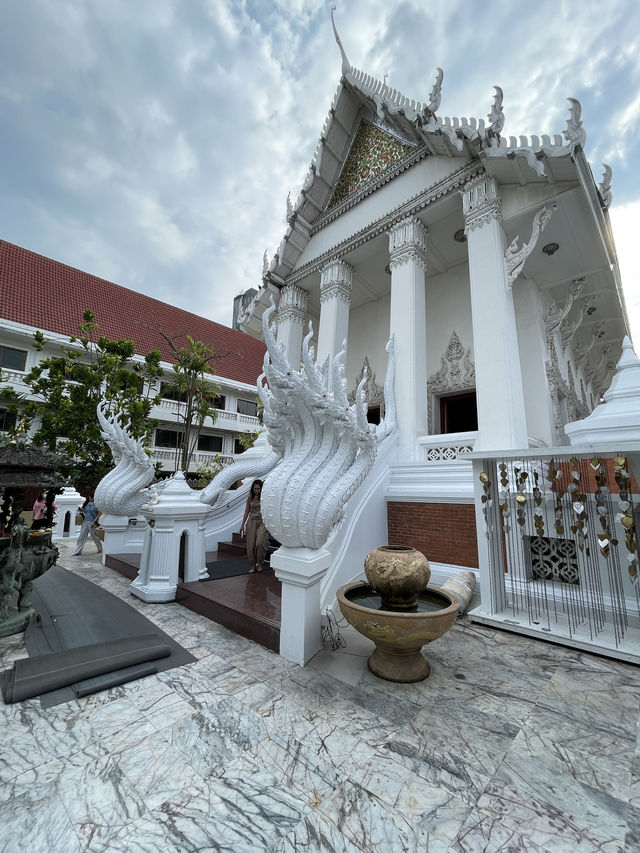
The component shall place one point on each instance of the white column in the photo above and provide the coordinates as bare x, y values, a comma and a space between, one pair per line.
502, 421
335, 301
408, 325
291, 311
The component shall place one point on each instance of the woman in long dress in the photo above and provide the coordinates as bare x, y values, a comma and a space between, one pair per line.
256, 531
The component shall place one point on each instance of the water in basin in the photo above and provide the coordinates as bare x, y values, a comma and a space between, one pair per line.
428, 601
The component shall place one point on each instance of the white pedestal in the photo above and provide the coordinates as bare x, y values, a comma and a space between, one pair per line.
122, 535
300, 570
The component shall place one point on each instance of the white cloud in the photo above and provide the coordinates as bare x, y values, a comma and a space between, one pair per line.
168, 137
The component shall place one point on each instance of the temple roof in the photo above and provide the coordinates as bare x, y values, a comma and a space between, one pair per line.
42, 293
362, 102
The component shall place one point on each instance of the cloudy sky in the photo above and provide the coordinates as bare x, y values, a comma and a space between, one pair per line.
153, 142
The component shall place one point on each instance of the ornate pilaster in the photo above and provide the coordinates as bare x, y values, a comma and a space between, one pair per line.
407, 242
407, 322
481, 203
291, 313
502, 422
335, 301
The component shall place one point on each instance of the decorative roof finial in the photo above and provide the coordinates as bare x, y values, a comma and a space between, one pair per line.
289, 206
605, 187
496, 116
346, 65
265, 264
575, 132
436, 92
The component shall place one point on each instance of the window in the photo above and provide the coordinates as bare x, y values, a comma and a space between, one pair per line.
219, 402
210, 443
237, 446
248, 407
12, 359
7, 420
373, 415
168, 438
166, 394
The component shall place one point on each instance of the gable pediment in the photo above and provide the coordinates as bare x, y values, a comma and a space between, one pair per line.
372, 152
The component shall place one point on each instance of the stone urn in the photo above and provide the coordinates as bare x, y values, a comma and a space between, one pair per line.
398, 611
399, 573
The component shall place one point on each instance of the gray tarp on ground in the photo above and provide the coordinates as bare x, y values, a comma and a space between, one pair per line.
73, 612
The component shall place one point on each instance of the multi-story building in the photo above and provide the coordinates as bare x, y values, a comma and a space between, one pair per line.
38, 293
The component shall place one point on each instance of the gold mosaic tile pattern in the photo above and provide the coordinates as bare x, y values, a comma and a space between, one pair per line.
372, 152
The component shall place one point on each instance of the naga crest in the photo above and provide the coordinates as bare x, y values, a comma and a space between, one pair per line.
326, 446
122, 491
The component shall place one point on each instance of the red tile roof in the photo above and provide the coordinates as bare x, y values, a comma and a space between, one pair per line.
51, 296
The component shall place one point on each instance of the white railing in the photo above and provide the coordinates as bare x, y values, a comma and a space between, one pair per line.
199, 457
558, 548
446, 447
223, 417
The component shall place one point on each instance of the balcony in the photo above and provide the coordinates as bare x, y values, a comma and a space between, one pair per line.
234, 421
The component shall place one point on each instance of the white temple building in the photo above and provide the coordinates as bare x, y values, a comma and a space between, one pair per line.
490, 259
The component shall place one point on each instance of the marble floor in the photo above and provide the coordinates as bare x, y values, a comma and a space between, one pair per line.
510, 745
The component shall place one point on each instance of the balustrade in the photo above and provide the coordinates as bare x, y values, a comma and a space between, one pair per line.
558, 547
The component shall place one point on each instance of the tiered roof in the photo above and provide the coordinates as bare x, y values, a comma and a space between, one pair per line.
50, 296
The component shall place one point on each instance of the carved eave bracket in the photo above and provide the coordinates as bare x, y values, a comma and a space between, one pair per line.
554, 317
516, 256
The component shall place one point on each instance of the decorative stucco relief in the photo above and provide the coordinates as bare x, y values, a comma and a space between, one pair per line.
293, 304
457, 373
335, 281
407, 242
481, 202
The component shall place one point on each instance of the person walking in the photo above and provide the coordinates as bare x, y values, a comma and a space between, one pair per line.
256, 531
90, 513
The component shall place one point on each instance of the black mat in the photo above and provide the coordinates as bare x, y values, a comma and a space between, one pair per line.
228, 568
73, 612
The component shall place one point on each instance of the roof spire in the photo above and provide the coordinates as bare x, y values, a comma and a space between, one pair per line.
346, 65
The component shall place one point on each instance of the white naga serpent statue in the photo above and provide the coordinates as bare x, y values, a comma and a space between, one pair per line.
322, 446
121, 491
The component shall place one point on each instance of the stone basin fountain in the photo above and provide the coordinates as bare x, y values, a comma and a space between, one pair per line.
398, 611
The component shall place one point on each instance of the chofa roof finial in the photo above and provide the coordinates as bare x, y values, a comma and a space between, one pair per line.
346, 65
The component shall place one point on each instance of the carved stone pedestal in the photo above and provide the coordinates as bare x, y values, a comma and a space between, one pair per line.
300, 570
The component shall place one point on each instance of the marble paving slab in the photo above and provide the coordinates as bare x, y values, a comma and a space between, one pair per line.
510, 745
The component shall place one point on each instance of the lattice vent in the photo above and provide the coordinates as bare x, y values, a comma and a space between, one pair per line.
552, 559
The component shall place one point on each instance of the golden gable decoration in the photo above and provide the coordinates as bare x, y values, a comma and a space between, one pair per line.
372, 152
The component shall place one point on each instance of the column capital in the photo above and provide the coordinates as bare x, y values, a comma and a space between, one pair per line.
481, 202
293, 304
335, 281
407, 242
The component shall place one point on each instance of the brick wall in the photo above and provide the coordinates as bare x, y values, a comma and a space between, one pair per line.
445, 533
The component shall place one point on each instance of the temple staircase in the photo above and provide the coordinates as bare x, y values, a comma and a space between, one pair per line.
247, 604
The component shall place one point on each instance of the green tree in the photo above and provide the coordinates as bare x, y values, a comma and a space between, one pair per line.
191, 385
67, 389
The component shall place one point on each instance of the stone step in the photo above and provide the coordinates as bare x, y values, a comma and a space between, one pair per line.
248, 605
237, 548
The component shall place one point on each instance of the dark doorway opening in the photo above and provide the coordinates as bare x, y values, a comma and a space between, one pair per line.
183, 555
373, 414
458, 413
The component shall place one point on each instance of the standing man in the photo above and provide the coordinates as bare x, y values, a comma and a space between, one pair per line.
90, 513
